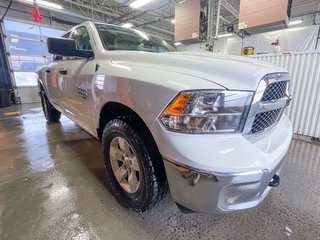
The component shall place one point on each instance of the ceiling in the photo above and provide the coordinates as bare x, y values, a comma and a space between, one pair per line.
303, 7
156, 16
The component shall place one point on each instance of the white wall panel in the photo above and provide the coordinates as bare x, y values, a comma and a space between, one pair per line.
28, 94
291, 39
304, 110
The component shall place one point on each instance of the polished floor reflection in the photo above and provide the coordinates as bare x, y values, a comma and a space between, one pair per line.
52, 186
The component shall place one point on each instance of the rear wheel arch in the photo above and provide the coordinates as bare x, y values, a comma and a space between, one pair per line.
50, 112
40, 87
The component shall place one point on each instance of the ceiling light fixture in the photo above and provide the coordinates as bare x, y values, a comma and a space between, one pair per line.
173, 21
139, 3
177, 43
225, 35
127, 25
295, 22
142, 34
44, 4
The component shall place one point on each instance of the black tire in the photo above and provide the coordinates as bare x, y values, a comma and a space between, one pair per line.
184, 209
153, 185
51, 114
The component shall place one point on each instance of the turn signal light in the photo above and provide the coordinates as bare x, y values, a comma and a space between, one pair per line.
176, 107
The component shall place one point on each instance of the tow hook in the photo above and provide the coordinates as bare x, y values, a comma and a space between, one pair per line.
275, 181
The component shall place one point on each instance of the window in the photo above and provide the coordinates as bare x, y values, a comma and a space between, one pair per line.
119, 38
67, 35
22, 30
82, 39
24, 63
24, 79
27, 44
19, 46
50, 32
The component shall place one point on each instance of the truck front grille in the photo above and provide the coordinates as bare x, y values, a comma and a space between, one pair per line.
269, 103
275, 91
264, 120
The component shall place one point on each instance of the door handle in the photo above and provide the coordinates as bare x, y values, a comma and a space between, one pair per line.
64, 71
48, 70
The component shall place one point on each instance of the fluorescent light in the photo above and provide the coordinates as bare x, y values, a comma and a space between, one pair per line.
45, 4
295, 22
177, 43
127, 25
139, 3
173, 21
225, 35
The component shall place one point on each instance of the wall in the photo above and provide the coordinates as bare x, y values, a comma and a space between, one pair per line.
291, 39
219, 47
304, 110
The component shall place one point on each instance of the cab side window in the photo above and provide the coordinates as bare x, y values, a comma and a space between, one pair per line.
67, 35
82, 39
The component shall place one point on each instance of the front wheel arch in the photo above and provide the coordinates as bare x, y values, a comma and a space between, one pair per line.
114, 110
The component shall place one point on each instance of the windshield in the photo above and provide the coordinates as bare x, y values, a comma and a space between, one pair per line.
119, 38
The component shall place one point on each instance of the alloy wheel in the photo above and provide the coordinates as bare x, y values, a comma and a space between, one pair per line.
125, 165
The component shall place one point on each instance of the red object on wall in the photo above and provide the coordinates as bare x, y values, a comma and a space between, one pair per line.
276, 43
36, 15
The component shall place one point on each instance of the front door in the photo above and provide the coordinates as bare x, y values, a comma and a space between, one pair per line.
72, 75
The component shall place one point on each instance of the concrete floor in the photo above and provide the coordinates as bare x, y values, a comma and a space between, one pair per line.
52, 186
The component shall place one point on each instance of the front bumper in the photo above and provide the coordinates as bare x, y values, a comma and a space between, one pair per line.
223, 173
218, 192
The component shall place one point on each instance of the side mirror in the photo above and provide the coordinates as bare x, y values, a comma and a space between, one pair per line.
67, 47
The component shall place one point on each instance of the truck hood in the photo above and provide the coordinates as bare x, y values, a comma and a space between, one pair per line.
230, 72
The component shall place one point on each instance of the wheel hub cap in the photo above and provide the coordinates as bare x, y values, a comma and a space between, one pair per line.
125, 164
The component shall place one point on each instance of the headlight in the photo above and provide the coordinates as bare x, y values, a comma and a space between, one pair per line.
207, 111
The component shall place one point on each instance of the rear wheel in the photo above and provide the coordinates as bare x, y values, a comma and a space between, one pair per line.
132, 176
50, 113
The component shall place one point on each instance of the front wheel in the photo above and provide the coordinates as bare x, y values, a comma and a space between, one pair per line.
130, 168
51, 114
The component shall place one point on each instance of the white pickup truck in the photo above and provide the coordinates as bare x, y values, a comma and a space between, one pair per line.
211, 127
